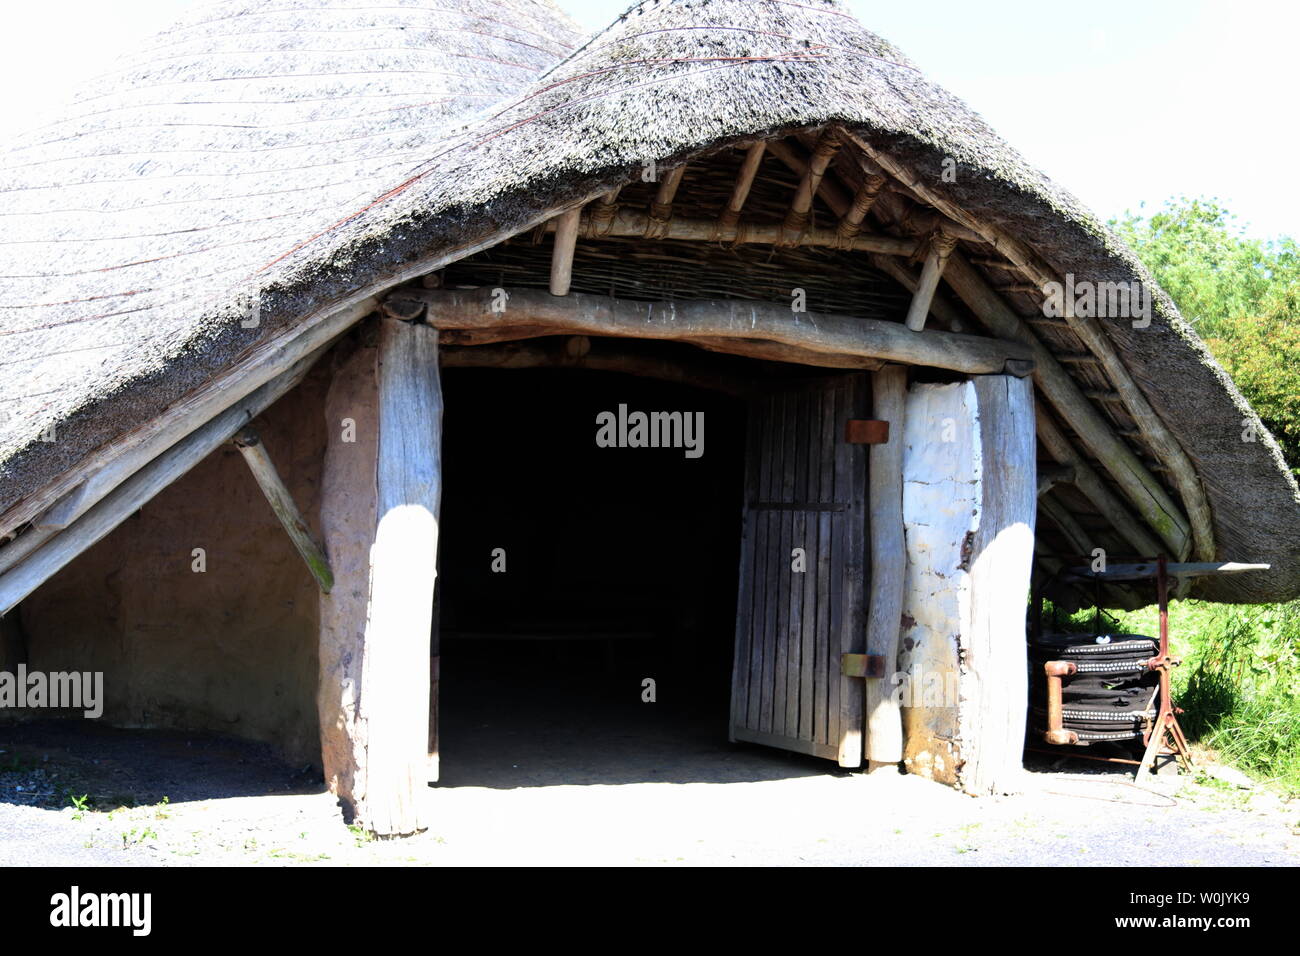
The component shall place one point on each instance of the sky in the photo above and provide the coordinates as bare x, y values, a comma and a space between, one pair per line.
1123, 102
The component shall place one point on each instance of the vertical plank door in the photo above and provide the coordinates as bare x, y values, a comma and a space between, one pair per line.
805, 489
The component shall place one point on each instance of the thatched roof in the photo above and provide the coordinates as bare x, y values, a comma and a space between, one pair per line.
161, 194
134, 235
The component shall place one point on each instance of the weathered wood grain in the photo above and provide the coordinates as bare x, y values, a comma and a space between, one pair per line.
282, 504
884, 724
994, 688
729, 319
380, 501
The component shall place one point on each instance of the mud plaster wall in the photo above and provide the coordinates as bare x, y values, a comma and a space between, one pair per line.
232, 649
942, 471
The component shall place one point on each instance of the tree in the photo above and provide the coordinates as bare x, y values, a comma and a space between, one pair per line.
1241, 294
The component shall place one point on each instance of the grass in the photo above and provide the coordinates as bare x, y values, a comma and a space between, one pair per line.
1239, 683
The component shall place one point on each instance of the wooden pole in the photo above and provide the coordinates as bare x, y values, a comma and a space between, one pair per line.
884, 745
726, 319
403, 569
1080, 541
566, 238
744, 181
281, 501
629, 222
840, 201
941, 247
601, 213
796, 159
1087, 481
940, 306
1049, 476
796, 220
865, 197
380, 499
667, 190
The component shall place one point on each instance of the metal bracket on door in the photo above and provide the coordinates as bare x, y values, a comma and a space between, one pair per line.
866, 431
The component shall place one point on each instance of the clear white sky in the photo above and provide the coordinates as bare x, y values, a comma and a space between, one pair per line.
1119, 100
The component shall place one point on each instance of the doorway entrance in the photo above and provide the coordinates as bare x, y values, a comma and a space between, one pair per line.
631, 565
585, 593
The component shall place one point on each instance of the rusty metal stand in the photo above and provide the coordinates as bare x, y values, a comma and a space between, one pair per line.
1164, 737
1164, 729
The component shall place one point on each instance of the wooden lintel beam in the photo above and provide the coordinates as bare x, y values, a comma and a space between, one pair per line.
768, 351
281, 501
725, 319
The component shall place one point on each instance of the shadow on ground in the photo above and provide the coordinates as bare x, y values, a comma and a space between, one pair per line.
43, 762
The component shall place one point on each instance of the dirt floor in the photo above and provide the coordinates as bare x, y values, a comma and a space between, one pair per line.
647, 790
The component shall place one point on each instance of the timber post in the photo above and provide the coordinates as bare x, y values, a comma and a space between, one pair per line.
380, 500
969, 497
884, 746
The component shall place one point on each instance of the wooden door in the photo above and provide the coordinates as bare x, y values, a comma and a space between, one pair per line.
805, 488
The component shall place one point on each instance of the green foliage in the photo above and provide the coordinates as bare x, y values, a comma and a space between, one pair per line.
137, 835
1213, 272
1241, 294
1262, 354
80, 805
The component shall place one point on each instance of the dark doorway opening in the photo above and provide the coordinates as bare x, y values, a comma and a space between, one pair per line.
620, 565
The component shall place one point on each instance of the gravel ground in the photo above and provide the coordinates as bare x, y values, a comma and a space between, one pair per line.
644, 792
